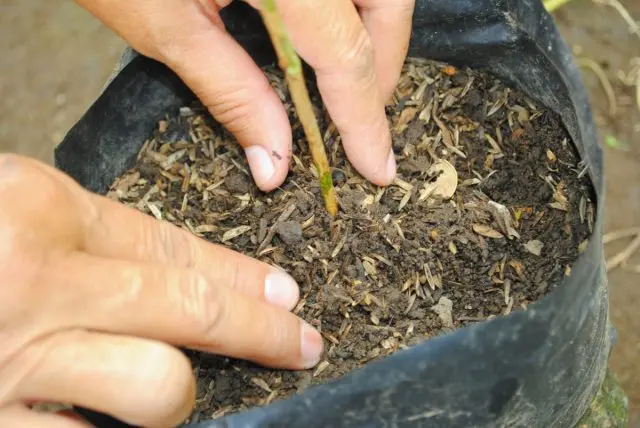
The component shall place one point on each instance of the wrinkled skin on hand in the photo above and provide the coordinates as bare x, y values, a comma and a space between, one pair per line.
93, 294
356, 48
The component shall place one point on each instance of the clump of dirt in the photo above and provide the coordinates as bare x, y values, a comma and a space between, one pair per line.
489, 211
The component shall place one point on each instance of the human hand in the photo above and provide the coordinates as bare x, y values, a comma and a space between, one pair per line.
93, 292
357, 49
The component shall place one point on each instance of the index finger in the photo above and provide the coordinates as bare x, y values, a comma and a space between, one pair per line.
179, 306
125, 233
330, 36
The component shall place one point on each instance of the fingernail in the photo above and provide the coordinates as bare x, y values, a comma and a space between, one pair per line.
281, 290
311, 345
261, 165
391, 166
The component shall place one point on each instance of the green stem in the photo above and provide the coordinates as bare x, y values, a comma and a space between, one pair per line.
292, 67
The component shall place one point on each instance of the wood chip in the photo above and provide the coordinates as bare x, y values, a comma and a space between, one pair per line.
206, 228
321, 367
404, 201
234, 233
583, 246
402, 184
339, 247
155, 210
261, 384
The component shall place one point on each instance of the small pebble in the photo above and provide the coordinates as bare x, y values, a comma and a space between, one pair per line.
290, 232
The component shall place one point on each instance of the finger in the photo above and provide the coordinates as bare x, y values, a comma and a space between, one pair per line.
20, 417
389, 26
239, 96
179, 306
124, 233
110, 229
331, 38
187, 36
138, 381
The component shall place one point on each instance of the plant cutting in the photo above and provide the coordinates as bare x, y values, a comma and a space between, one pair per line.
292, 67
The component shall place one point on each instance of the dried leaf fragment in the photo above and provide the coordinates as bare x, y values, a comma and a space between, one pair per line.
369, 267
487, 231
406, 116
502, 216
534, 247
561, 201
444, 310
446, 183
519, 268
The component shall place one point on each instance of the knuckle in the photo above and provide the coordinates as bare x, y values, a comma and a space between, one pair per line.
25, 187
25, 358
204, 305
20, 217
358, 55
235, 107
170, 244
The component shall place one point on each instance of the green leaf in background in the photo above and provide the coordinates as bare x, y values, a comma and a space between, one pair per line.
614, 143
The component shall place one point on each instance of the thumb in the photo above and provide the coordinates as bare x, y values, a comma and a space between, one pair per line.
239, 96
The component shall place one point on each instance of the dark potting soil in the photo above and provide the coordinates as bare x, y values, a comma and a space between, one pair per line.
490, 209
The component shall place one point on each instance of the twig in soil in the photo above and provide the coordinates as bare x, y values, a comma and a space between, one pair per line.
634, 28
632, 78
620, 234
292, 67
623, 256
604, 80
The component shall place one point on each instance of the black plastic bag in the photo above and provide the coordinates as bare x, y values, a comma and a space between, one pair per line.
535, 368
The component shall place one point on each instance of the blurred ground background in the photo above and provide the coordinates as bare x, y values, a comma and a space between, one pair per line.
55, 59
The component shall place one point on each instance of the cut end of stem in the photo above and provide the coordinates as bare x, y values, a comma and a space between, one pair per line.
328, 193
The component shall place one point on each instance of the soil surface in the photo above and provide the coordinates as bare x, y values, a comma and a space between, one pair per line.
489, 210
